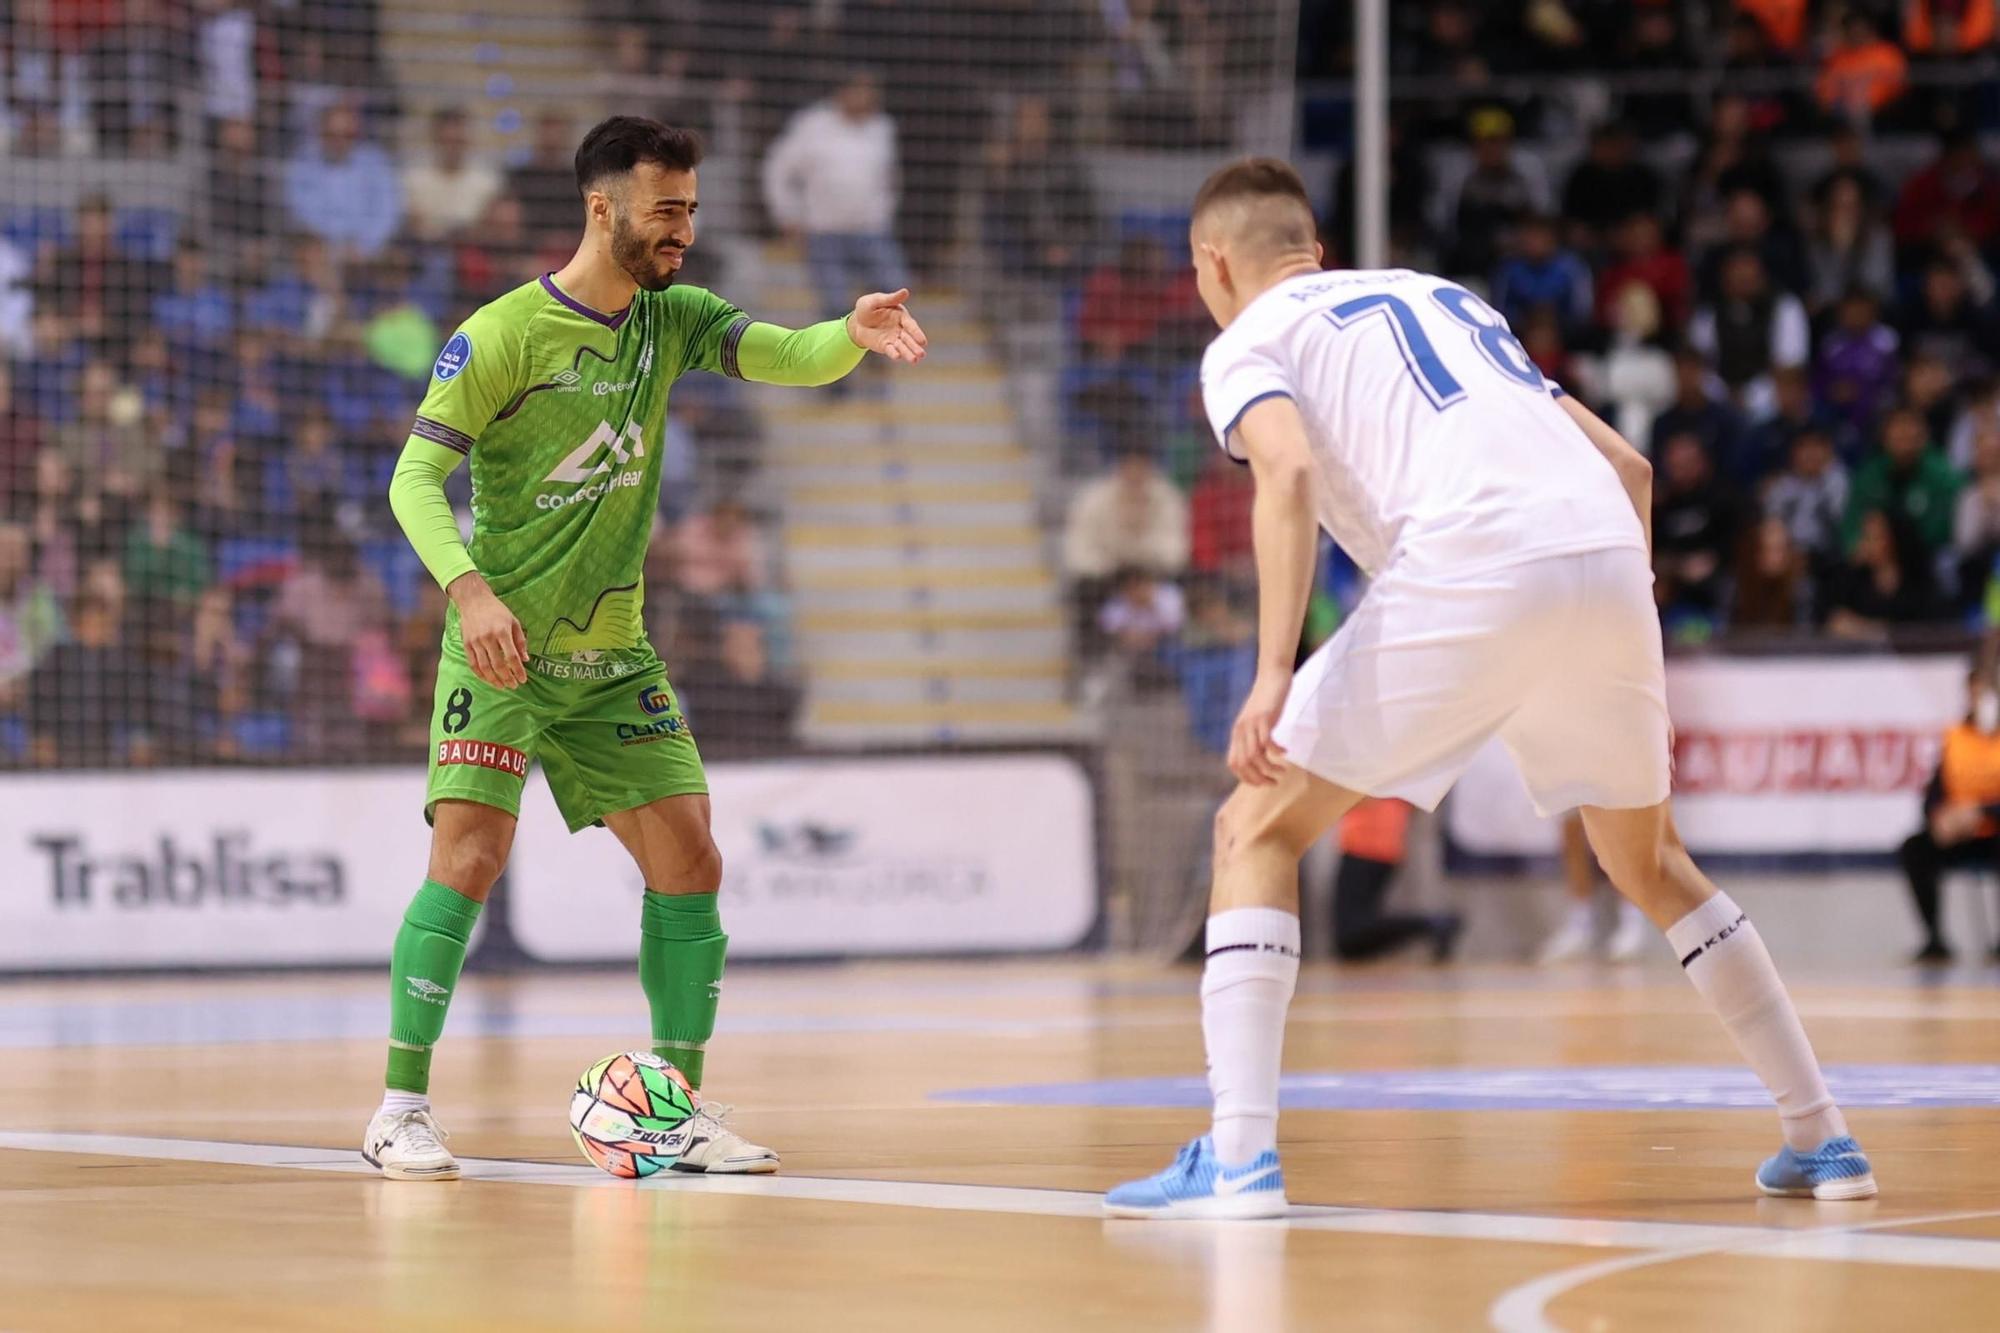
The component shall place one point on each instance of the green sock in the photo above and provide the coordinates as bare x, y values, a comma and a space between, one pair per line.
681, 948
423, 972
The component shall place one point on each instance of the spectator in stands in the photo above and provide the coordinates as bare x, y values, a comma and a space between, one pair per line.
831, 179
1961, 828
100, 290
106, 447
1931, 388
342, 189
195, 314
1734, 156
241, 220
1856, 371
309, 478
320, 614
1373, 841
1766, 446
1849, 248
1698, 409
1130, 517
1886, 582
89, 693
226, 40
1910, 479
219, 665
1035, 205
1411, 239
729, 690
31, 618
20, 450
1215, 660
1960, 192
1951, 318
1501, 191
1864, 71
721, 554
1542, 275
1635, 375
1747, 223
1610, 185
1640, 256
451, 190
1694, 536
1750, 330
1650, 38
546, 183
165, 562
1976, 528
1141, 616
1770, 590
1219, 518
1948, 27
1139, 311
1810, 497
1980, 414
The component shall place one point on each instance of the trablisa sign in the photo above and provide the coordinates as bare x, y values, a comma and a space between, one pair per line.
207, 868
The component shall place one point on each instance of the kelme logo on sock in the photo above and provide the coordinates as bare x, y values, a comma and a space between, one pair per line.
422, 988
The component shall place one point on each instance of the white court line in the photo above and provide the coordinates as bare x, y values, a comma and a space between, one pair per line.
1524, 1309
1662, 1240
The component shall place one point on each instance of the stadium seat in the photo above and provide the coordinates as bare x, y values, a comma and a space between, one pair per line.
254, 561
148, 233
33, 226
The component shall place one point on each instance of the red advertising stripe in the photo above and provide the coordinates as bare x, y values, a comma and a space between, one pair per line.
1830, 759
483, 754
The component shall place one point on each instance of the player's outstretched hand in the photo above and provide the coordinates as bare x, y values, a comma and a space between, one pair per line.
881, 324
1253, 756
495, 645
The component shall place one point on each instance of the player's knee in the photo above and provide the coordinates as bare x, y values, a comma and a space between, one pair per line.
705, 875
469, 863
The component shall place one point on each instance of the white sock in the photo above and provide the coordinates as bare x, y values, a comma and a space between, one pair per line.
1581, 919
1253, 964
395, 1102
1726, 960
1629, 913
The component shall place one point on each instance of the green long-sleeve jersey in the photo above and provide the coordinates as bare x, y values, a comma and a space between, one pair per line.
561, 411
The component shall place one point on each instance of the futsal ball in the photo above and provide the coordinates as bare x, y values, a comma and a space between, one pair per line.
630, 1114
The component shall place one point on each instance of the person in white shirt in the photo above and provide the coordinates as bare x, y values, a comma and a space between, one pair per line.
1506, 531
452, 190
832, 178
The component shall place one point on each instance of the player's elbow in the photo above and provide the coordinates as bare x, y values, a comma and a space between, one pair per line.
1635, 469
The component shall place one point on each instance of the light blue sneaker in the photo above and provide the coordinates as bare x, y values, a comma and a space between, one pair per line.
1197, 1185
1837, 1169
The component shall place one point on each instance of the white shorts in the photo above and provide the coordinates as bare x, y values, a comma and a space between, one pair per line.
1559, 658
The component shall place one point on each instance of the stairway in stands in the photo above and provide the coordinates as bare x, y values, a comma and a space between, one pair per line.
492, 57
925, 602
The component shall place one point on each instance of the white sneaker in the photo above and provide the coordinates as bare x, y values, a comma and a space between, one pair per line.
1571, 942
408, 1145
1632, 938
716, 1149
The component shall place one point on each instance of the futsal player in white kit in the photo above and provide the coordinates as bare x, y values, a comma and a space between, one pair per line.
1507, 533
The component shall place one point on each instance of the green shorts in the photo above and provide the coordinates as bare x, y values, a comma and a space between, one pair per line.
608, 732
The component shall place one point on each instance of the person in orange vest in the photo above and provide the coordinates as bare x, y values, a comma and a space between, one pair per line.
1864, 72
1961, 811
1373, 839
1953, 27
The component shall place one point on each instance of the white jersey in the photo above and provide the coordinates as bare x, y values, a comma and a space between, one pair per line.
1439, 447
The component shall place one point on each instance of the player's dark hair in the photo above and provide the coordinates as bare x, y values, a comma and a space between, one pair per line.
1251, 178
1254, 181
616, 145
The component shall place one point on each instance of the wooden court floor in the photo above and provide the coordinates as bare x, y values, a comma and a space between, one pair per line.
1471, 1148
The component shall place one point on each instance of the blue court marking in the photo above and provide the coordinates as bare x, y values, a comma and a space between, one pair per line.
1584, 1088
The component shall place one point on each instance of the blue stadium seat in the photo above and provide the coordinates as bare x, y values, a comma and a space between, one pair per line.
13, 738
262, 735
396, 564
1169, 228
250, 560
147, 233
30, 227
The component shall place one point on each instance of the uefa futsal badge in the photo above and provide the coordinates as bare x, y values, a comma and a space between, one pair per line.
457, 354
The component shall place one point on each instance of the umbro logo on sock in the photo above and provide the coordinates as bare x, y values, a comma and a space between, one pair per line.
422, 988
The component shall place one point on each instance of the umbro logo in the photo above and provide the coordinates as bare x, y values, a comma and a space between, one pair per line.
568, 381
423, 988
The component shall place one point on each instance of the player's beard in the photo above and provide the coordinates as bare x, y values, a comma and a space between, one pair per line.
635, 254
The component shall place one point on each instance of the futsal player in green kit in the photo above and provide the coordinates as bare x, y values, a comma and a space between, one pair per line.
557, 393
